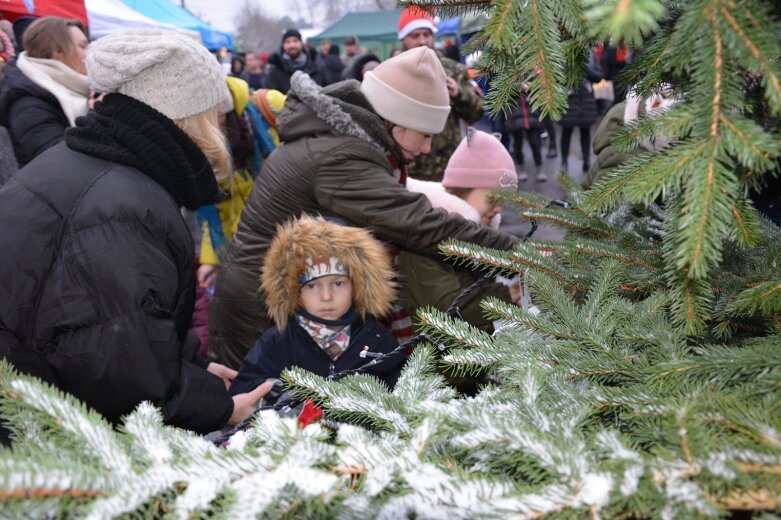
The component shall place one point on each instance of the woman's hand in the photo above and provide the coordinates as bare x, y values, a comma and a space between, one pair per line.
245, 404
226, 374
452, 88
515, 292
206, 275
94, 97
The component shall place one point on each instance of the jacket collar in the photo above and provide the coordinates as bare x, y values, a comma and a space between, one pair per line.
341, 107
126, 131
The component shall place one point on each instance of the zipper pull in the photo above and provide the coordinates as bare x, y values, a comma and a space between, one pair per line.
331, 369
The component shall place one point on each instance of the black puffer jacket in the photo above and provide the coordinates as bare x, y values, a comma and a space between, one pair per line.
280, 70
333, 161
582, 107
523, 116
33, 116
98, 292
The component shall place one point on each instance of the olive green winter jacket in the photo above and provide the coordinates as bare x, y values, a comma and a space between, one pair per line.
333, 162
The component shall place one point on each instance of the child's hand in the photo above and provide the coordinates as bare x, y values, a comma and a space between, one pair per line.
206, 275
226, 374
515, 292
245, 404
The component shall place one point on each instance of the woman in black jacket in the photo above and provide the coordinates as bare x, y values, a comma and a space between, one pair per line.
46, 86
98, 293
581, 113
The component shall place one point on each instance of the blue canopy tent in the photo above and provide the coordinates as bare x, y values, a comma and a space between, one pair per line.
168, 12
448, 26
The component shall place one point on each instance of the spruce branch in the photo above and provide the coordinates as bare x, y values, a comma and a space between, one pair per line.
628, 20
674, 123
746, 226
500, 310
724, 365
764, 298
571, 222
522, 199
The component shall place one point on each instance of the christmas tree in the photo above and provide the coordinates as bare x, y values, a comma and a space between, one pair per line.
647, 385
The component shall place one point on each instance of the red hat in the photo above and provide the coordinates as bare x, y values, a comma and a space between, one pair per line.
263, 56
415, 18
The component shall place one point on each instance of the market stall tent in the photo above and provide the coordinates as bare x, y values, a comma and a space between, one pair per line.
108, 16
13, 9
376, 30
168, 12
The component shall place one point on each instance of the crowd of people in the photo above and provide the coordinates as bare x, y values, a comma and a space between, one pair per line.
315, 191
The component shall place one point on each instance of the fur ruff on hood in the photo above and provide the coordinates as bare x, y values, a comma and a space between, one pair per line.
365, 257
440, 198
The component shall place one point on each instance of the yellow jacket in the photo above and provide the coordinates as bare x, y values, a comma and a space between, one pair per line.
238, 187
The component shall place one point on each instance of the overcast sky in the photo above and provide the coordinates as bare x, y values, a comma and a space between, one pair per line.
222, 17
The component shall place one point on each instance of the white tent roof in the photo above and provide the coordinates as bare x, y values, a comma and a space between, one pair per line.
108, 16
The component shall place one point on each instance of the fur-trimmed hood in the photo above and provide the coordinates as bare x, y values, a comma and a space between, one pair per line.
340, 108
365, 257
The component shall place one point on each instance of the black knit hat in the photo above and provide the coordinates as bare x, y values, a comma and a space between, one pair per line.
291, 32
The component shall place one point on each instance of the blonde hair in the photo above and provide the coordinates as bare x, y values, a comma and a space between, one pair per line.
204, 130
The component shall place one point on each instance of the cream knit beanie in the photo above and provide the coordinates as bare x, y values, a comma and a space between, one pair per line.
170, 72
480, 161
410, 90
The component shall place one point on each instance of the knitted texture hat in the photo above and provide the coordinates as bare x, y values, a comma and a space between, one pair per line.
480, 161
291, 33
239, 96
413, 18
410, 90
170, 72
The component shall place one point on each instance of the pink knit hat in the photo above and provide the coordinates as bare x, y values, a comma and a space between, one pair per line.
480, 161
410, 90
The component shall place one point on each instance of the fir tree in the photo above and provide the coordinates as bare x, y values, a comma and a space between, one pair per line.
648, 385
725, 137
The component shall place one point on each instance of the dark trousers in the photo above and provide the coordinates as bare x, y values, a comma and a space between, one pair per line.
548, 123
498, 126
533, 135
585, 142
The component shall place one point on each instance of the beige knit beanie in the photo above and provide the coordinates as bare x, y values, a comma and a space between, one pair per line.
170, 72
410, 90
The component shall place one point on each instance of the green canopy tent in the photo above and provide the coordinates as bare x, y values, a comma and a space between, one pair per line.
376, 30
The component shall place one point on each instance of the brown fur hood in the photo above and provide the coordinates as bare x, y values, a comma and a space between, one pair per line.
365, 257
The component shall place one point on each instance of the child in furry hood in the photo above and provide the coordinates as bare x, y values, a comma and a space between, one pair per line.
479, 165
324, 283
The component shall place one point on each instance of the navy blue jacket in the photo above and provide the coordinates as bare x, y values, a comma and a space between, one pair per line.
275, 351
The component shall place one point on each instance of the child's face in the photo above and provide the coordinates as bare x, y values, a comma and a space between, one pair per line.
328, 297
478, 199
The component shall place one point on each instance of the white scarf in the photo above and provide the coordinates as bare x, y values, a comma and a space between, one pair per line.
69, 87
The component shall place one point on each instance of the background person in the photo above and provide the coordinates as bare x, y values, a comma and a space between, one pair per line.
45, 87
292, 57
416, 29
331, 70
352, 51
363, 65
254, 73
